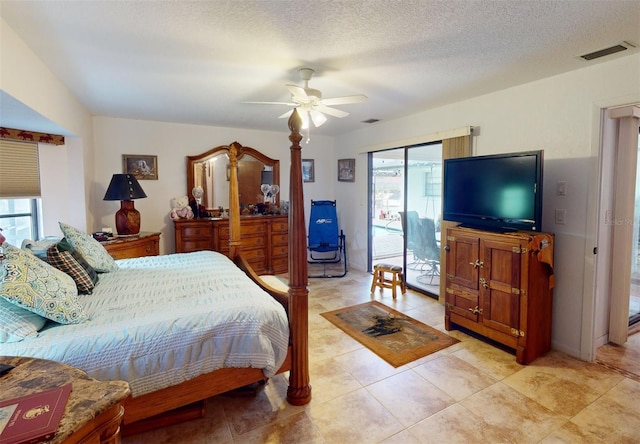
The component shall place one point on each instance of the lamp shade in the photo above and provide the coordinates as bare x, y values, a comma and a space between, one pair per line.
125, 188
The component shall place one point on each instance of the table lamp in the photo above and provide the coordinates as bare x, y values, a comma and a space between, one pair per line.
125, 188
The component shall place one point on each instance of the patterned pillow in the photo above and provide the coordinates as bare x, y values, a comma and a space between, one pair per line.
89, 248
34, 285
17, 323
65, 262
64, 245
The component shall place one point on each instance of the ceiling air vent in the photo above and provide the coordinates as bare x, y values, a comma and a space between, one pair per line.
607, 51
371, 121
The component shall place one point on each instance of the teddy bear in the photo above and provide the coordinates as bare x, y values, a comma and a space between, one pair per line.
180, 208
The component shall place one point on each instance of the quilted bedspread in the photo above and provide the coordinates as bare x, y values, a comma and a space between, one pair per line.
161, 320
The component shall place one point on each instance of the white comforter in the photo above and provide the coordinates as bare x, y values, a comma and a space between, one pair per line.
161, 320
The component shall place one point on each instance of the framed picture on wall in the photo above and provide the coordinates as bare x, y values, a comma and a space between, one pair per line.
308, 170
346, 170
142, 167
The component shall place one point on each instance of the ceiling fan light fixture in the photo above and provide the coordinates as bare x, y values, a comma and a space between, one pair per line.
317, 117
310, 104
304, 115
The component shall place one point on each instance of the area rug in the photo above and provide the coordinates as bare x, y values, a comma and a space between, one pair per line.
395, 337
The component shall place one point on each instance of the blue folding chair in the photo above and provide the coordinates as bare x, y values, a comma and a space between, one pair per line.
326, 241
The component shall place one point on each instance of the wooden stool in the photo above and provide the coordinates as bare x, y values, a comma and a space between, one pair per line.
381, 281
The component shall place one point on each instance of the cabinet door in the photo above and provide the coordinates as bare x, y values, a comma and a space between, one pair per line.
500, 285
462, 260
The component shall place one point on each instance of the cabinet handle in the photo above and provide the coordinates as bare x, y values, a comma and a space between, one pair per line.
447, 248
483, 282
477, 264
475, 310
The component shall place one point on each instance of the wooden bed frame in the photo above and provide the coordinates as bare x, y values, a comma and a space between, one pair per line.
186, 400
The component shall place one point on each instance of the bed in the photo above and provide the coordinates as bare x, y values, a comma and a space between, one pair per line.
160, 322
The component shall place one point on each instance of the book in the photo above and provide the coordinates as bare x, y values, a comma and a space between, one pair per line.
33, 418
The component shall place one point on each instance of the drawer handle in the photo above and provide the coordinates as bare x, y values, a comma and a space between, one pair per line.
148, 249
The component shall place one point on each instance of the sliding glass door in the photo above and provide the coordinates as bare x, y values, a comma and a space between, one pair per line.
406, 204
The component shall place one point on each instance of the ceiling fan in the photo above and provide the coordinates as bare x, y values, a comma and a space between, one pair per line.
310, 103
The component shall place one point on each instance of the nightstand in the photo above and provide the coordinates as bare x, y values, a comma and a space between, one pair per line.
94, 411
125, 247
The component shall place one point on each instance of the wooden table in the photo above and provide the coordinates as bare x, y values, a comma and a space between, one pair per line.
125, 247
94, 410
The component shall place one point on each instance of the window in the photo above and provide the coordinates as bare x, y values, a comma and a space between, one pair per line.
19, 219
19, 190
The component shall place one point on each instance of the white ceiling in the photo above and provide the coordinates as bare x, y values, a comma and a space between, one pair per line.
197, 61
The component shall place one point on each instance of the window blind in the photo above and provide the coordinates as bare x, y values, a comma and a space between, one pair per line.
19, 170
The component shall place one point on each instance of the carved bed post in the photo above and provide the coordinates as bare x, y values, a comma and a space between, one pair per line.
234, 201
299, 391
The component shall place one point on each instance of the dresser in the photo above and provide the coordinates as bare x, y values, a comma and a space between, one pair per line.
94, 411
265, 239
125, 247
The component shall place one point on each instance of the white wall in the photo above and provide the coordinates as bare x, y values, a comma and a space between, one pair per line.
172, 142
28, 80
554, 114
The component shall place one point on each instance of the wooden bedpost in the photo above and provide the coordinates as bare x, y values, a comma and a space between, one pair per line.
234, 201
299, 391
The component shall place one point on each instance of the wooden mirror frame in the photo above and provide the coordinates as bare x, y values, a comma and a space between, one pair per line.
242, 151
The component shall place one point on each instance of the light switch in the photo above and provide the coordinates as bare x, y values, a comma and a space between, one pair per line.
561, 216
561, 188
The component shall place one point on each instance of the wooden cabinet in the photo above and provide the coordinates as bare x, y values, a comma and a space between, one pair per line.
125, 247
265, 239
497, 286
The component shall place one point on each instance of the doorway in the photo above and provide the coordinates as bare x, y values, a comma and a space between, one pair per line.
406, 212
619, 269
634, 290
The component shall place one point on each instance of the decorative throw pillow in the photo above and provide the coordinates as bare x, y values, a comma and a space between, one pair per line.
34, 285
17, 323
64, 245
65, 262
40, 247
90, 249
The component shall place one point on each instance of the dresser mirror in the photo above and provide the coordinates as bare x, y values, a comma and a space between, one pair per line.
210, 170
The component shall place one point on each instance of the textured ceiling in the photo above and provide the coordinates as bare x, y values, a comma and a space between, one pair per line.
197, 61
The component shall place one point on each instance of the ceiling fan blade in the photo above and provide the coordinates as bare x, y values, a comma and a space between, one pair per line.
317, 117
332, 111
274, 103
297, 91
285, 115
345, 100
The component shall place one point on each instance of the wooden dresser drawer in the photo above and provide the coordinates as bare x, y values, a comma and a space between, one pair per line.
197, 232
198, 245
280, 239
279, 250
125, 247
280, 227
252, 242
280, 264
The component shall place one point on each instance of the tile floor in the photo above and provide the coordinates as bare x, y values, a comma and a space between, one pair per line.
469, 392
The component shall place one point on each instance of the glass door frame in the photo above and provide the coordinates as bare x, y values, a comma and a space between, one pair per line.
414, 264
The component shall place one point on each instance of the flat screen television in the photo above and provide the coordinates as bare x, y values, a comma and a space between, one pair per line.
500, 192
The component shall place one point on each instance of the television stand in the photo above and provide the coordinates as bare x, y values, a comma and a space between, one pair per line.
500, 287
499, 230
